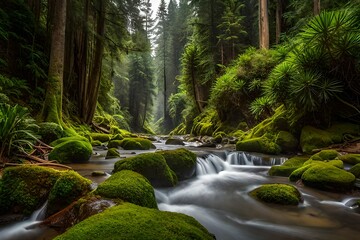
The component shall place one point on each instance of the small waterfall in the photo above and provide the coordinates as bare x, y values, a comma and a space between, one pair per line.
242, 158
209, 164
25, 230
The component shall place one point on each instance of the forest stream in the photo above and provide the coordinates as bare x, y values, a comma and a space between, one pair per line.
218, 198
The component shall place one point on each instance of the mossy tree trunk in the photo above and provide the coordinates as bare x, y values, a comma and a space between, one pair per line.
52, 108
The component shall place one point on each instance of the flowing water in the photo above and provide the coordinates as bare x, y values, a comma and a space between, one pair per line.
218, 198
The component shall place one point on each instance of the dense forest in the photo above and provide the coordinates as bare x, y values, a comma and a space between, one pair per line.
264, 76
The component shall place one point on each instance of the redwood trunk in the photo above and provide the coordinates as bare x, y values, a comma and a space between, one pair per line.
316, 7
263, 24
279, 11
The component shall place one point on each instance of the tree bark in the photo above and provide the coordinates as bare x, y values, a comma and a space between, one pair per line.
52, 109
95, 73
263, 24
316, 7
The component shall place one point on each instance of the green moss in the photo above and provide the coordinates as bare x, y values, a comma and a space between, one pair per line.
277, 193
151, 165
297, 173
339, 131
96, 143
206, 123
102, 137
327, 177
66, 139
131, 222
136, 144
26, 188
50, 132
114, 143
181, 161
286, 141
287, 167
325, 155
117, 137
69, 187
258, 144
355, 170
129, 186
112, 153
312, 138
350, 158
71, 151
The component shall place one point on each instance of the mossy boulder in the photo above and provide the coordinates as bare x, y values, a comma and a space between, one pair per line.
283, 194
325, 155
96, 143
66, 139
114, 144
129, 186
72, 151
174, 141
25, 188
297, 173
151, 165
50, 132
286, 141
130, 222
355, 170
117, 137
287, 167
112, 153
350, 158
136, 144
258, 144
69, 187
102, 137
181, 161
313, 138
327, 177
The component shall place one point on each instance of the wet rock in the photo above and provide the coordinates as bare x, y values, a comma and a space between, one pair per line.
283, 194
112, 153
98, 174
174, 141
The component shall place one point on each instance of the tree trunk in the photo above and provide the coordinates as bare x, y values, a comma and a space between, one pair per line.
263, 24
95, 73
316, 7
279, 12
52, 109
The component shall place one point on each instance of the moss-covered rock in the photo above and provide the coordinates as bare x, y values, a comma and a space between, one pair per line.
129, 186
287, 141
66, 139
325, 155
24, 189
117, 137
131, 222
327, 177
277, 193
50, 132
350, 158
181, 161
114, 144
258, 144
312, 138
151, 165
287, 167
71, 151
297, 173
112, 153
136, 144
96, 143
102, 137
174, 141
355, 170
69, 187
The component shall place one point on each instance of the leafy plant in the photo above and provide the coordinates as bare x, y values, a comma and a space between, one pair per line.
16, 131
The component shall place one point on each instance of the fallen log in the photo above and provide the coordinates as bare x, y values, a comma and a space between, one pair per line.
38, 164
